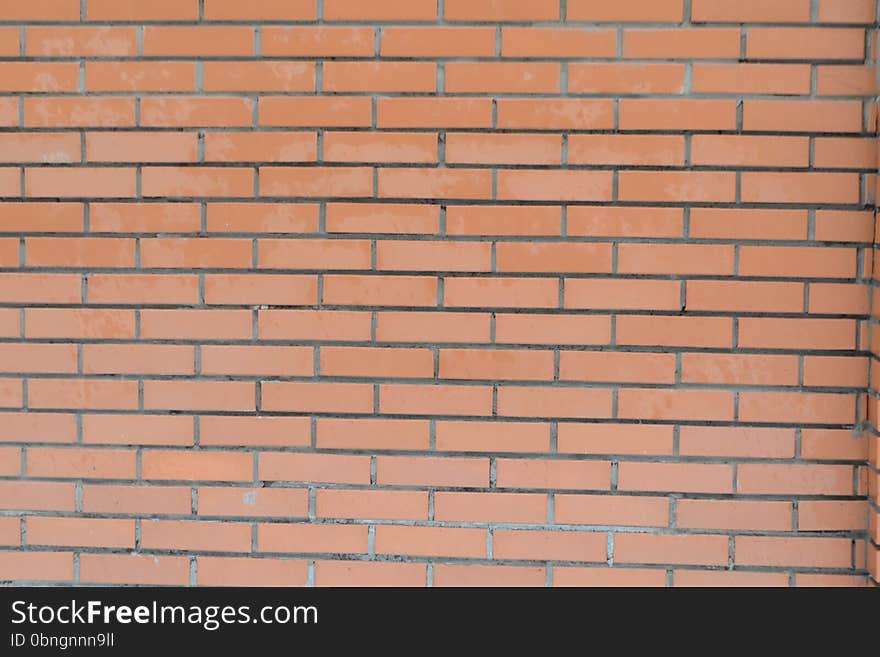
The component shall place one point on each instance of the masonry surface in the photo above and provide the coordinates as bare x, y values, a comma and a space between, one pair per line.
420, 292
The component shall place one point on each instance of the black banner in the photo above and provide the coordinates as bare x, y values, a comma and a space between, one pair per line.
125, 621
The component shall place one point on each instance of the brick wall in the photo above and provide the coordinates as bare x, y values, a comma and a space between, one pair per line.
437, 292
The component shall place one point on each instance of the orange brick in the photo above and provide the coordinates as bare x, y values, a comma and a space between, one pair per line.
313, 325
313, 254
844, 299
746, 296
547, 185
534, 473
830, 444
79, 182
659, 11
728, 578
675, 259
144, 217
669, 114
56, 148
849, 372
323, 468
316, 181
677, 477
805, 43
799, 551
496, 364
309, 538
40, 77
431, 541
381, 362
794, 479
602, 510
308, 41
140, 76
390, 10
40, 288
431, 471
37, 566
244, 571
199, 395
548, 257
489, 10
47, 112
643, 150
692, 549
378, 504
150, 570
380, 76
380, 147
502, 77
824, 515
490, 508
80, 463
92, 252
137, 359
265, 431
276, 10
137, 499
737, 442
195, 535
193, 112
141, 147
275, 289
608, 577
18, 358
493, 576
201, 41
437, 42
697, 43
734, 514
72, 393
399, 218
253, 360
549, 545
132, 10
369, 433
435, 399
641, 439
624, 367
360, 573
435, 183
736, 223
261, 217
555, 114
677, 186
260, 147
473, 436
796, 333
196, 324
858, 11
554, 330
625, 294
611, 221
501, 292
792, 79
800, 187
800, 116
746, 150
262, 502
468, 148
554, 402
37, 496
197, 466
253, 76
410, 326
308, 111
845, 153
556, 42
10, 461
613, 78
380, 290
80, 532
36, 217
317, 397
433, 256
748, 11
432, 113
797, 407
739, 369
